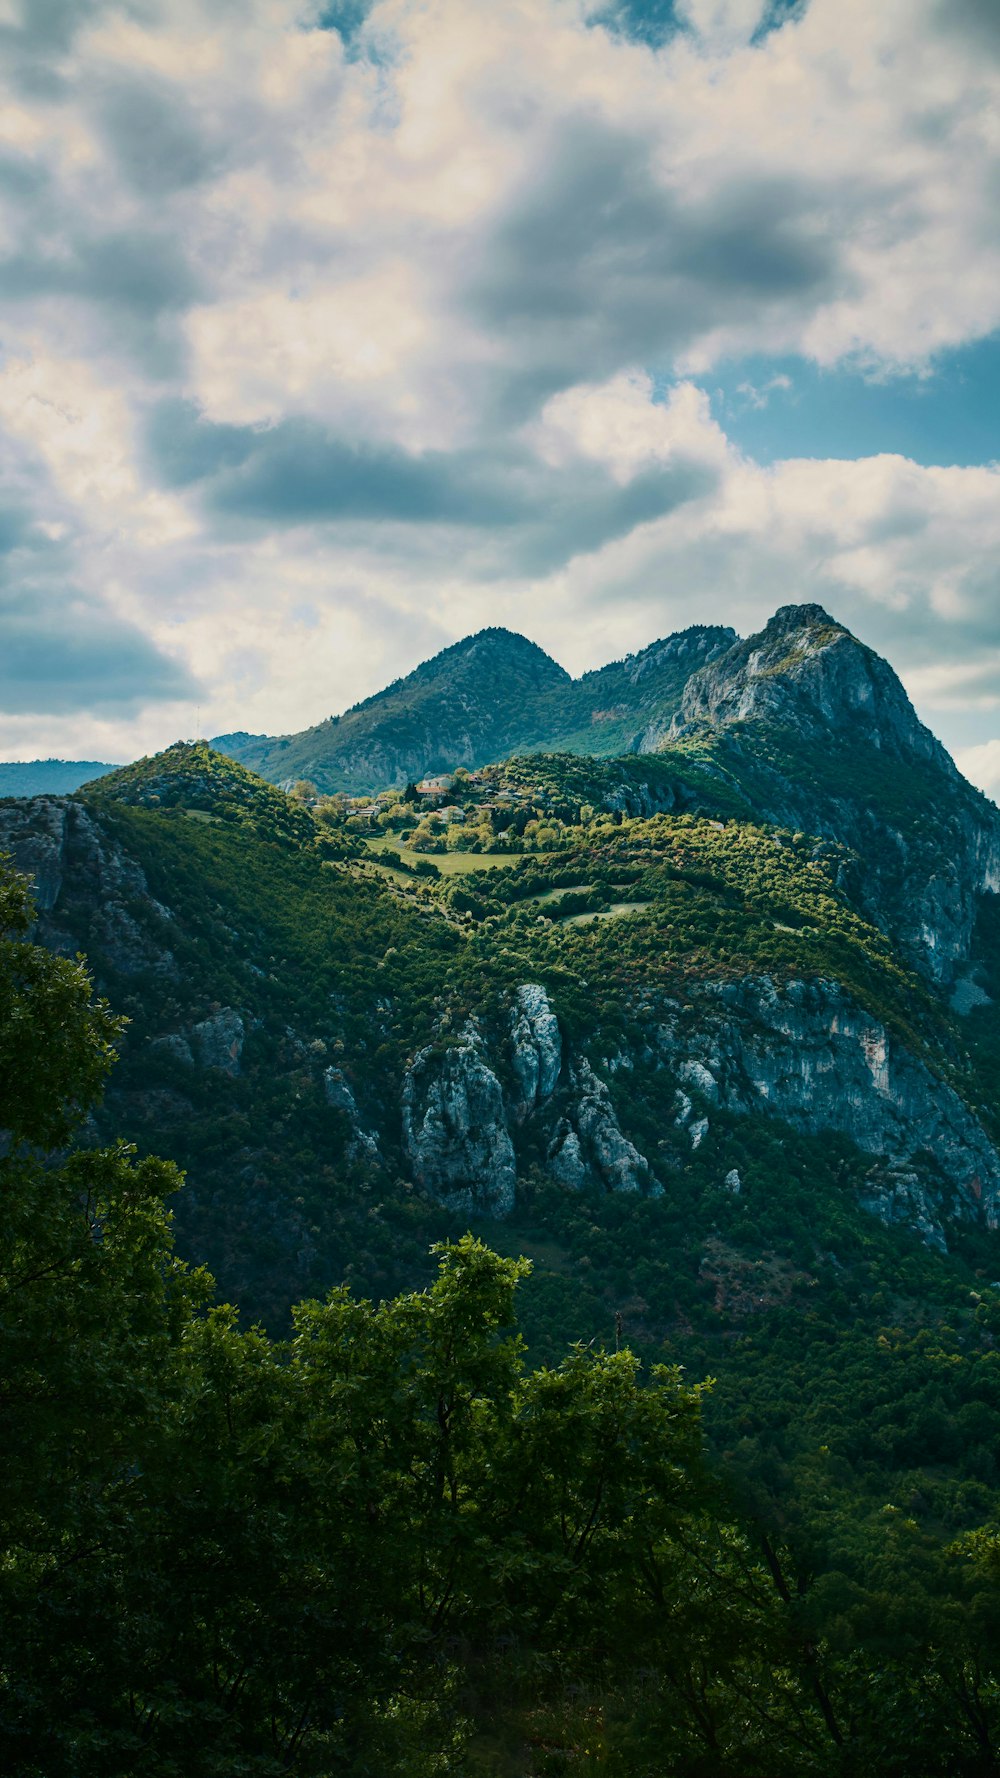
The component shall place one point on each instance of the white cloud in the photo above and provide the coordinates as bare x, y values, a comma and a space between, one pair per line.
481, 252
255, 359
981, 765
620, 424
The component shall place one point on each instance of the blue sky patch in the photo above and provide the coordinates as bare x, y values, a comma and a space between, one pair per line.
654, 22
775, 408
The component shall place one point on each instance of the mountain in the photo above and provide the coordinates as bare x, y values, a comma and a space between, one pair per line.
709, 1033
819, 735
467, 705
54, 777
787, 908
492, 694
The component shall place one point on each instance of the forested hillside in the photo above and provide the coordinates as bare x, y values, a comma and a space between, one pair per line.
492, 694
708, 1036
53, 777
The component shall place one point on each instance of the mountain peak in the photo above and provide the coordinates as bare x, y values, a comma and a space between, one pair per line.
801, 617
497, 645
807, 673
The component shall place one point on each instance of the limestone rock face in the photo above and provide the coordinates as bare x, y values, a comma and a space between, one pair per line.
80, 873
537, 1049
218, 1041
454, 1131
895, 1193
807, 1053
339, 1094
34, 833
589, 1141
806, 682
565, 1157
808, 672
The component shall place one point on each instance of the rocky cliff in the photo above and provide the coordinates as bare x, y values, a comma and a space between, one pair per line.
821, 737
87, 889
327, 1044
807, 1053
802, 1052
807, 673
455, 1132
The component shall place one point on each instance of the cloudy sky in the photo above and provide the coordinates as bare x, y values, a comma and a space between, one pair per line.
330, 332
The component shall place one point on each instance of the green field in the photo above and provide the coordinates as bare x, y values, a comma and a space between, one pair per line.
613, 912
450, 864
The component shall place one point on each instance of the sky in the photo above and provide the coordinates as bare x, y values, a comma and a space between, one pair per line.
332, 331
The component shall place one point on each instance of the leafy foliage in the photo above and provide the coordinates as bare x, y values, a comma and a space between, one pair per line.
387, 1544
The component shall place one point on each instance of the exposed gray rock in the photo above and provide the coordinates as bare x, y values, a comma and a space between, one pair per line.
806, 671
454, 1131
644, 799
694, 1074
218, 1041
565, 1157
589, 1143
809, 1054
98, 890
683, 1107
537, 1049
895, 1194
967, 994
807, 679
732, 1182
34, 833
338, 1093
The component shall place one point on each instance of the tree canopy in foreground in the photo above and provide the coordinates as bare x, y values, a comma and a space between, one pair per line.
388, 1545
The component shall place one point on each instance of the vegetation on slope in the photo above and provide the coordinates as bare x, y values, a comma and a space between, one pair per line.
48, 777
390, 1544
489, 695
338, 963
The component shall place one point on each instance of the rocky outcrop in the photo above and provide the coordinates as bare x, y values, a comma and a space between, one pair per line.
218, 1041
644, 800
455, 1132
896, 1194
807, 1053
339, 1094
536, 1046
34, 834
805, 684
588, 1142
89, 893
807, 672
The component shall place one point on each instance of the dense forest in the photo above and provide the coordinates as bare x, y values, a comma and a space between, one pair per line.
597, 1162
393, 1542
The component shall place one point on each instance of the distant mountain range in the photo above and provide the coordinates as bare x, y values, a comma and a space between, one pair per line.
49, 777
484, 698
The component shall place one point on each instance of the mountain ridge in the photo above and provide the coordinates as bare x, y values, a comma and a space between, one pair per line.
738, 880
486, 696
55, 777
752, 875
